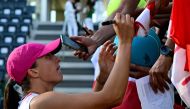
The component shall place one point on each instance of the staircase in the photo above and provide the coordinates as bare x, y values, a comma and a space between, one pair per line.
77, 74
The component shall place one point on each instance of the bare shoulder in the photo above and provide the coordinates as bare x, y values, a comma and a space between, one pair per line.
54, 100
46, 100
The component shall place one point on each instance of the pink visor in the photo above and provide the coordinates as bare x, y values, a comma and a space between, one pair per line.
23, 57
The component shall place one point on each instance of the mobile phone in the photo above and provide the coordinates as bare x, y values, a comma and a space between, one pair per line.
72, 44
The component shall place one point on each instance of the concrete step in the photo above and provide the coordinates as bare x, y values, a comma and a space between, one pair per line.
72, 90
77, 77
51, 26
48, 25
74, 71
46, 34
76, 83
73, 65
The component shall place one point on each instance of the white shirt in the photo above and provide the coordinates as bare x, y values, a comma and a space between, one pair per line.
69, 11
25, 102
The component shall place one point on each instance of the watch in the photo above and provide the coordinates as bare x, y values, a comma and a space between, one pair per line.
167, 51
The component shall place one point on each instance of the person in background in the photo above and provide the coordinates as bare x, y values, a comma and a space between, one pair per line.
106, 32
70, 18
131, 98
88, 11
177, 47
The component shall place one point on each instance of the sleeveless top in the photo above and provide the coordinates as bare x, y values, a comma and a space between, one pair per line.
25, 102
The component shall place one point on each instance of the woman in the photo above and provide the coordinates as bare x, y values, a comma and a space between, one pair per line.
37, 70
70, 18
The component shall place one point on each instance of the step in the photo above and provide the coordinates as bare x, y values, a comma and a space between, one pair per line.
74, 71
45, 34
72, 90
48, 25
76, 65
75, 83
79, 77
51, 26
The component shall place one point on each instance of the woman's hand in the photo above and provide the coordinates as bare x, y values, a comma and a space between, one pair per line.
124, 27
106, 61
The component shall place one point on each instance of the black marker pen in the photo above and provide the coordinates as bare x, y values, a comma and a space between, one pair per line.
109, 22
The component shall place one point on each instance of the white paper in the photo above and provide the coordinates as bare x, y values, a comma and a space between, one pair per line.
150, 100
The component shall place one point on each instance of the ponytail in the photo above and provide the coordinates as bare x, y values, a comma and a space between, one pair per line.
11, 96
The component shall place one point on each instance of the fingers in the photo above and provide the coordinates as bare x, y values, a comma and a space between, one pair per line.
120, 18
81, 55
108, 51
124, 27
163, 84
113, 58
153, 84
132, 20
128, 19
168, 80
89, 32
123, 19
105, 47
110, 47
158, 82
112, 51
76, 38
117, 17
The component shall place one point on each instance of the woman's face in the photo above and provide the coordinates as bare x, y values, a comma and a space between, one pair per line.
49, 69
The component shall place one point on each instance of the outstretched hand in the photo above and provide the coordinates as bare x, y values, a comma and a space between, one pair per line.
124, 27
86, 41
106, 60
159, 74
89, 43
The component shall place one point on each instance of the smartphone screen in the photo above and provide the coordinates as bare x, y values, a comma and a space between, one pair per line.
72, 44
